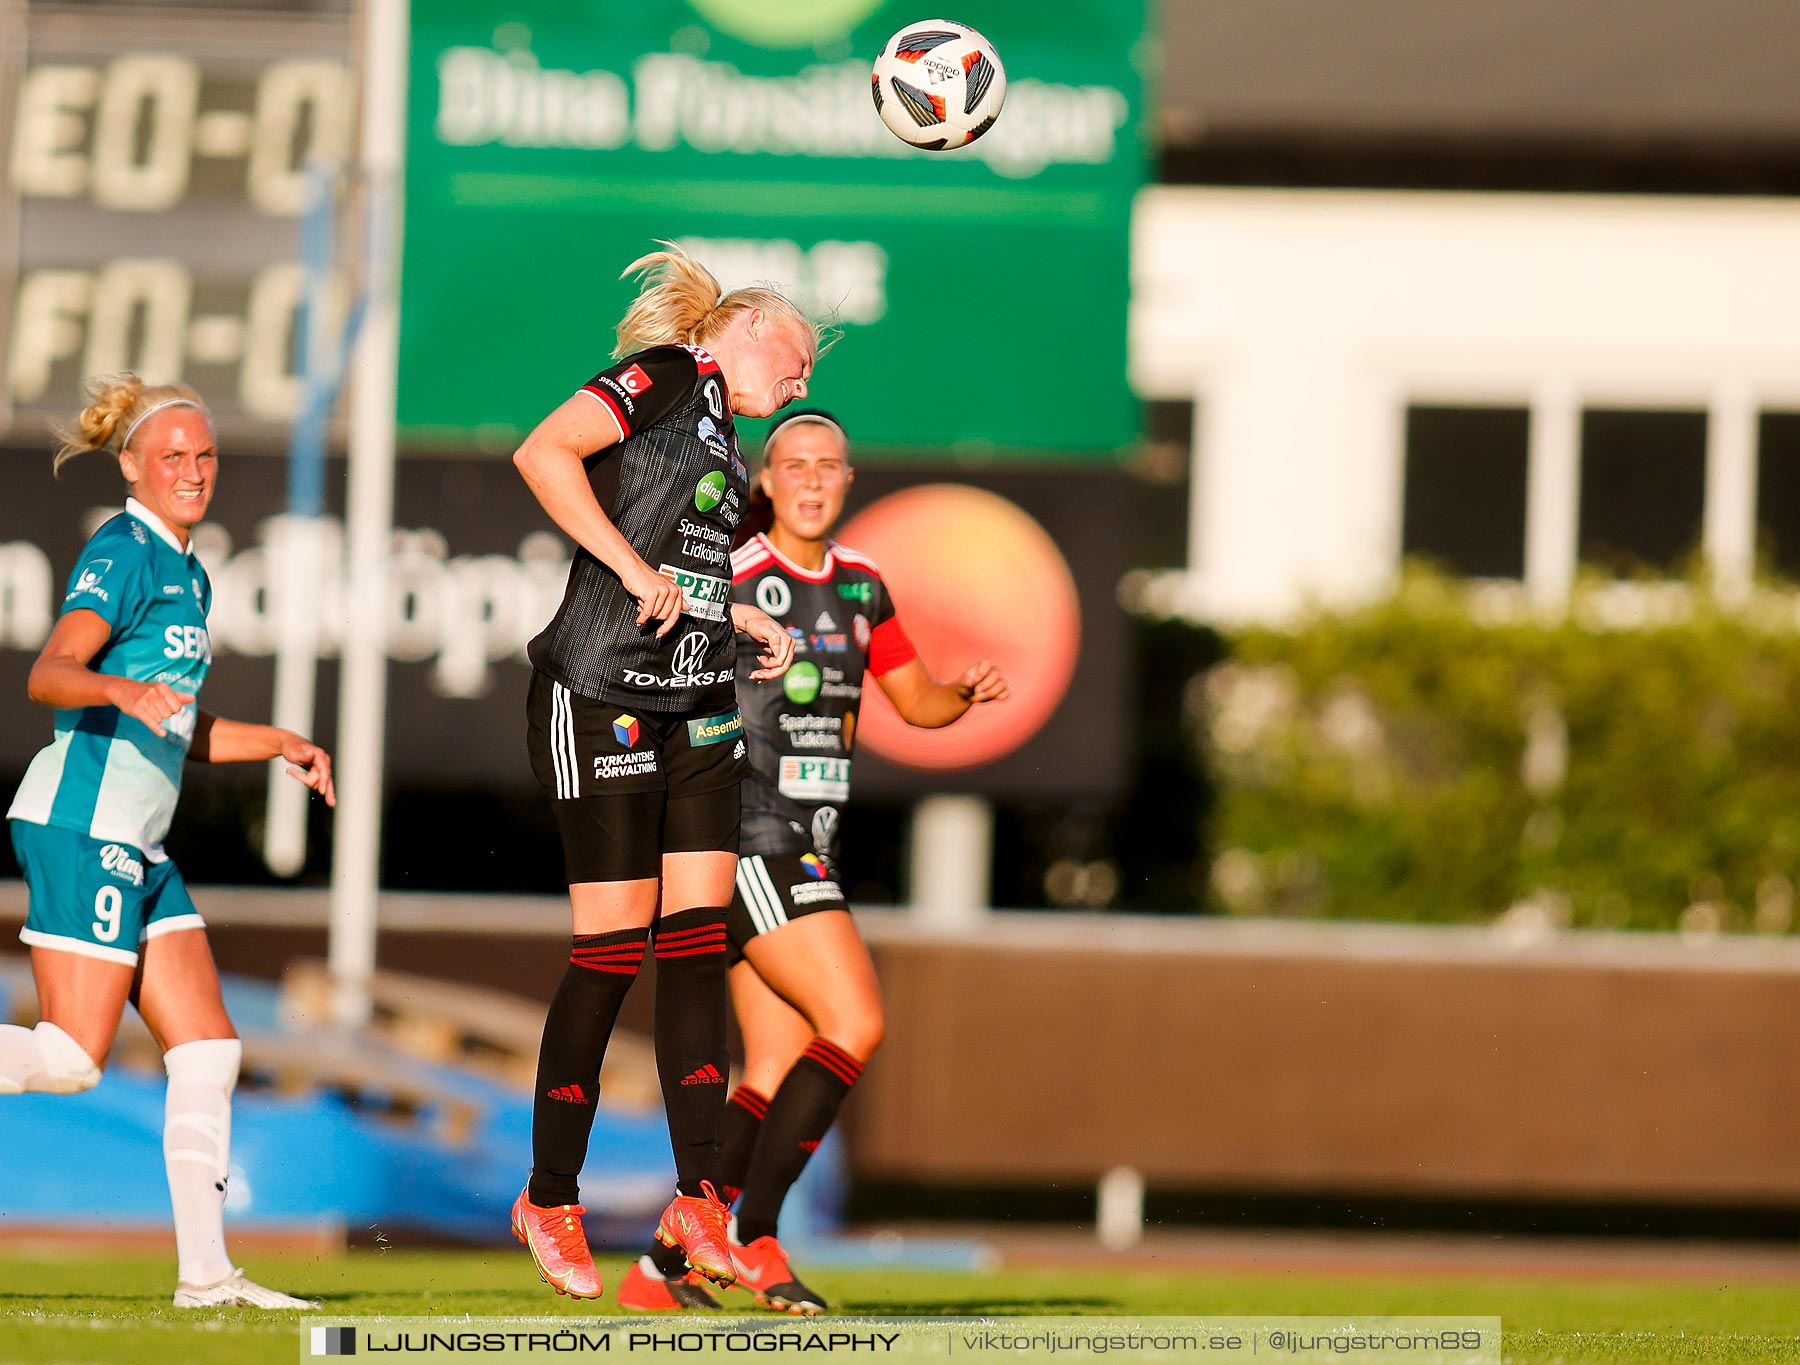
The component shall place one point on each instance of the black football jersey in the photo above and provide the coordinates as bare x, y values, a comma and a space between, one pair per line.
801, 727
676, 488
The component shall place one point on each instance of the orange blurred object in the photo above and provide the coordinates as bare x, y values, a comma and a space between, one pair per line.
973, 576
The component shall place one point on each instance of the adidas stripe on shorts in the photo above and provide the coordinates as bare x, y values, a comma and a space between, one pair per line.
773, 888
627, 786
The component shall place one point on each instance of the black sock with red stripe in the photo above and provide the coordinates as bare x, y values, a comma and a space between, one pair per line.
743, 1118
576, 1030
691, 1056
799, 1116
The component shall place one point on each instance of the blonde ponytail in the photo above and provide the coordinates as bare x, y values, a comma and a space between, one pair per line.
115, 402
680, 302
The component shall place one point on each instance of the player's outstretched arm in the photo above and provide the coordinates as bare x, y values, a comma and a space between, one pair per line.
61, 677
218, 740
551, 461
922, 700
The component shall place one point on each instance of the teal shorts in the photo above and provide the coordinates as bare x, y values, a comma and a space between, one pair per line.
96, 898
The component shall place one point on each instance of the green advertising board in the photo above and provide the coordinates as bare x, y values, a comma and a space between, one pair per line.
981, 293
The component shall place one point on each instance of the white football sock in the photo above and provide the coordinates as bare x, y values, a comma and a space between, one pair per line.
197, 1152
44, 1059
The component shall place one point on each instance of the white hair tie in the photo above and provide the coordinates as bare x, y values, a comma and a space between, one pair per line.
151, 411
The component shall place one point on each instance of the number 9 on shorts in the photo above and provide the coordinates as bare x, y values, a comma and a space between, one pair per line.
96, 897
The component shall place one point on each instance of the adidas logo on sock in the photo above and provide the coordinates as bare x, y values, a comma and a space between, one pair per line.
706, 1075
568, 1093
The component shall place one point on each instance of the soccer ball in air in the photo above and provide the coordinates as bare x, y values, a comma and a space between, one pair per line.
939, 84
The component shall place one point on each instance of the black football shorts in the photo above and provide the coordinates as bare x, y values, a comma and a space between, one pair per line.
629, 786
774, 888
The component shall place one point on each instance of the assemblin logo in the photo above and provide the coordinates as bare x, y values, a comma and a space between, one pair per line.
462, 614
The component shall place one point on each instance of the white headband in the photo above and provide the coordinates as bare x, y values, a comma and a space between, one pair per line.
820, 418
151, 411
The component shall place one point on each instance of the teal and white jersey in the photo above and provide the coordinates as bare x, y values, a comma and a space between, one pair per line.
105, 773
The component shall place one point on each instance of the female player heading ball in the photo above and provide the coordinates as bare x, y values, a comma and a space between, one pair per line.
109, 918
634, 729
801, 980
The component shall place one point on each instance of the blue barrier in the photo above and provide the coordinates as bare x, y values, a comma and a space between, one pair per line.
297, 1161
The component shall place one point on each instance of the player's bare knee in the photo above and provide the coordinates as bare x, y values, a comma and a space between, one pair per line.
859, 1033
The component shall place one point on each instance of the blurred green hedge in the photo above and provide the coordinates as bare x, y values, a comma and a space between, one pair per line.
1447, 756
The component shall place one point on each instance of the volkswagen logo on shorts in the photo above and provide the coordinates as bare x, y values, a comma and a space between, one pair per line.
690, 654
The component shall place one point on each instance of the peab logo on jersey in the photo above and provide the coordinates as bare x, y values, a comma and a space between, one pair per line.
813, 779
634, 381
702, 594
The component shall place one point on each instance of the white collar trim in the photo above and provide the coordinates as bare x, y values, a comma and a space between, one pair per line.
822, 574
137, 509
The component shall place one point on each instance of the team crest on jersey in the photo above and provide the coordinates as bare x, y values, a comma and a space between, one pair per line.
859, 626
713, 439
89, 582
774, 596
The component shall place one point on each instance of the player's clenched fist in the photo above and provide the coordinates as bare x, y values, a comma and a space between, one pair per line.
982, 682
658, 598
152, 703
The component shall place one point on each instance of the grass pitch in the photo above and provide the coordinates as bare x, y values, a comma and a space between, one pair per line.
73, 1309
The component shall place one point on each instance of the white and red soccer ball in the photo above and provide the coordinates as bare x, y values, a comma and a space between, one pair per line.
939, 84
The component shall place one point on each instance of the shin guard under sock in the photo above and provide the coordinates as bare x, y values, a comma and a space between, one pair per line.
691, 1056
576, 1030
798, 1118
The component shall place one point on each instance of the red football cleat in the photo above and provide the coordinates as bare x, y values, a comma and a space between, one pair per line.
763, 1269
697, 1226
558, 1246
644, 1290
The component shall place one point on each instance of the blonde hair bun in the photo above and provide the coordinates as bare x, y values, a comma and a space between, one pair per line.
680, 303
114, 403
